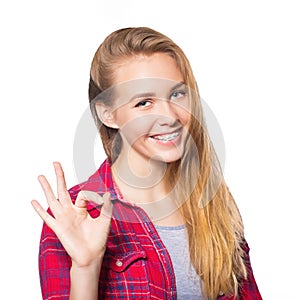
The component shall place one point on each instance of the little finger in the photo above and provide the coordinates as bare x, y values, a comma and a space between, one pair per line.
48, 219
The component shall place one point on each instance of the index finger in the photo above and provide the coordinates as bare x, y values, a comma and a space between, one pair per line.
85, 195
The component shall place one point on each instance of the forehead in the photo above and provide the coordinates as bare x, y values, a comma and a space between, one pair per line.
147, 85
157, 65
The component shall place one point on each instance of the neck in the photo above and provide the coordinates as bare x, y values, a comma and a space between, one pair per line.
143, 183
140, 175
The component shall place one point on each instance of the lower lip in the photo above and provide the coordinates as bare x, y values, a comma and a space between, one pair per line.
167, 143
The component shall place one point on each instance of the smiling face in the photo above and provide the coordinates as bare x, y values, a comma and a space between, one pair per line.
151, 108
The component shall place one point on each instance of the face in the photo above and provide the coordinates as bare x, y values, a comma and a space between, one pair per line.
151, 108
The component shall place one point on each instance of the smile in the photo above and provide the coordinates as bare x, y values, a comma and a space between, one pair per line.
166, 137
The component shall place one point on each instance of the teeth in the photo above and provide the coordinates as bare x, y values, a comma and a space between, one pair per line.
166, 137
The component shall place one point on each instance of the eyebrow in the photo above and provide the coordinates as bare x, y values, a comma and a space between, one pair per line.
151, 94
143, 95
175, 87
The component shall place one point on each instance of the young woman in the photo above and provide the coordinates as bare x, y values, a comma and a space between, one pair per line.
156, 221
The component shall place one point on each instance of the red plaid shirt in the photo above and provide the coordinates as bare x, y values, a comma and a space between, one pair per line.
136, 264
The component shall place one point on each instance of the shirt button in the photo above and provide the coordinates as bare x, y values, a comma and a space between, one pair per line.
119, 263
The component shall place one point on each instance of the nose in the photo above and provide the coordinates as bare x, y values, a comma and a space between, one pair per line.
166, 113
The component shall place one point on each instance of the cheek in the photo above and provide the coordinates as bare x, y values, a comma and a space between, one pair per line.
135, 128
186, 117
183, 111
184, 114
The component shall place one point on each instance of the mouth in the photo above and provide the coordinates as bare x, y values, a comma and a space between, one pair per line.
167, 137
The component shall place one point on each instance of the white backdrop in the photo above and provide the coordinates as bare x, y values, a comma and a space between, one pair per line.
245, 56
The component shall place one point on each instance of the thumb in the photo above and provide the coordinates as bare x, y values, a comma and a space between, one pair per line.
84, 197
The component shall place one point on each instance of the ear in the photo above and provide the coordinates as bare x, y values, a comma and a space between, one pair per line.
106, 115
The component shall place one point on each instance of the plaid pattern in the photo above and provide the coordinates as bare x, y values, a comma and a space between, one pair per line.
136, 264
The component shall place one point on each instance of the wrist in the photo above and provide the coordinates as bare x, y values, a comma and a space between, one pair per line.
88, 274
94, 266
85, 280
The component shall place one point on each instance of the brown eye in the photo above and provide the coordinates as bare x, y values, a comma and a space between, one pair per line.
143, 103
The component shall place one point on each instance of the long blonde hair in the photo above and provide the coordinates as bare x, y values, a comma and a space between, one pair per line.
214, 225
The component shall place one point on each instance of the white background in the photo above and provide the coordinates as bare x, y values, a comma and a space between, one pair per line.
245, 56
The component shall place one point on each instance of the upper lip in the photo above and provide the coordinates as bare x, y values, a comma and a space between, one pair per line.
167, 133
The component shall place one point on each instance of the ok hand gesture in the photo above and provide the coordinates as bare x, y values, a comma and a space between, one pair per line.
83, 237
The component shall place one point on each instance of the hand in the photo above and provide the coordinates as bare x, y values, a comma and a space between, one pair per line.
83, 237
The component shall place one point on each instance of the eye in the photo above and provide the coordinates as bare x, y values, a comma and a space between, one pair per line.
177, 95
144, 103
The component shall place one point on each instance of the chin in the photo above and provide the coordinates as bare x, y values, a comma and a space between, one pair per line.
167, 157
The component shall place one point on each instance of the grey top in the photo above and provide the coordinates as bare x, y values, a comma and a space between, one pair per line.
187, 281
